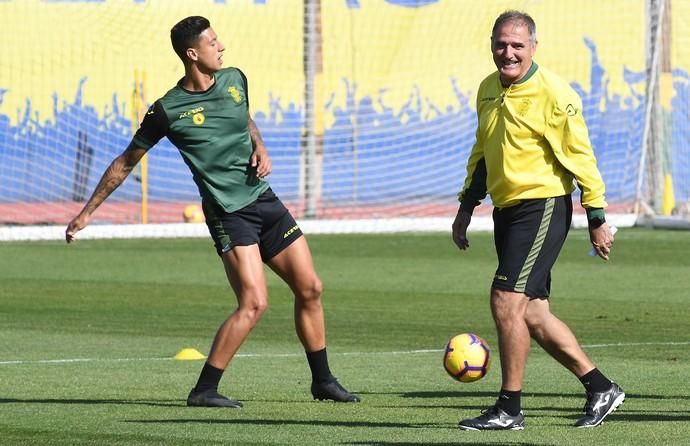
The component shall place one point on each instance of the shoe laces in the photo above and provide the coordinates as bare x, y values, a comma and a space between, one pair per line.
486, 413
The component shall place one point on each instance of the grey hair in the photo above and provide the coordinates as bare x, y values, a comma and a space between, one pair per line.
517, 17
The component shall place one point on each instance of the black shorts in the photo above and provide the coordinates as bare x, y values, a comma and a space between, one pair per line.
265, 222
529, 236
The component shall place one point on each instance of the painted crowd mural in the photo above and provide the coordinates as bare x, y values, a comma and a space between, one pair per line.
398, 80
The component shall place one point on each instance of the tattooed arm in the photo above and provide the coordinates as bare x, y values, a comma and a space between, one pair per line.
113, 176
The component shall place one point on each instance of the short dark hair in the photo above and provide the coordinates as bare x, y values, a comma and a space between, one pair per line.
186, 32
518, 17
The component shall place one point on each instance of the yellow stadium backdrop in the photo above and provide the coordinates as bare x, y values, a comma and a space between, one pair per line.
49, 45
87, 53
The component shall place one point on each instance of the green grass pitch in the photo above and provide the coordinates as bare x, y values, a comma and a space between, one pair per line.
89, 331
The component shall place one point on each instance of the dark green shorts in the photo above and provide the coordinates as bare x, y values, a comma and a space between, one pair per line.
266, 222
529, 236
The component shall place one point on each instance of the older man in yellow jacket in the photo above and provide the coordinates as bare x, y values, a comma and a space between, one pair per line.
532, 147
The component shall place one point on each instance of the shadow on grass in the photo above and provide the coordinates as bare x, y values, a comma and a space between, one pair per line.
159, 403
283, 422
663, 416
355, 424
405, 443
527, 394
623, 416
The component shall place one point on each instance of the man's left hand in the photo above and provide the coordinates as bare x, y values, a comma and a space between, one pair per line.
261, 161
602, 240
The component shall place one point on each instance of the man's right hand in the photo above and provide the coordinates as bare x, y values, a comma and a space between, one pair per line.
462, 221
77, 224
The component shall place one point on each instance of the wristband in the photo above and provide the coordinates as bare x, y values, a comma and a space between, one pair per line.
595, 217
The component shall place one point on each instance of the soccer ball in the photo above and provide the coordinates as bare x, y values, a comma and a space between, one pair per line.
467, 357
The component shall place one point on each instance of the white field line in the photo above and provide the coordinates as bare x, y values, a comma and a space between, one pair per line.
296, 355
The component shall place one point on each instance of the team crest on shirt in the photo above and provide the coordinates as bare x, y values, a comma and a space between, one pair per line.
198, 118
235, 94
524, 107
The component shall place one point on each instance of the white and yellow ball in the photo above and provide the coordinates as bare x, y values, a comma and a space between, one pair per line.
193, 213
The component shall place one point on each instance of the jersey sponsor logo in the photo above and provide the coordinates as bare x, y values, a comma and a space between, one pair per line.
198, 118
290, 231
235, 94
571, 110
191, 112
488, 98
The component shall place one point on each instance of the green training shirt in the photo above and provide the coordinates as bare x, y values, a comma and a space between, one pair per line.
210, 130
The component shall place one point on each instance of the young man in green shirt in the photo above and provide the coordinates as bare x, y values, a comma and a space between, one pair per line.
206, 116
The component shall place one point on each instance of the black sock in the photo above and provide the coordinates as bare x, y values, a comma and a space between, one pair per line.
318, 363
209, 378
509, 401
595, 381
